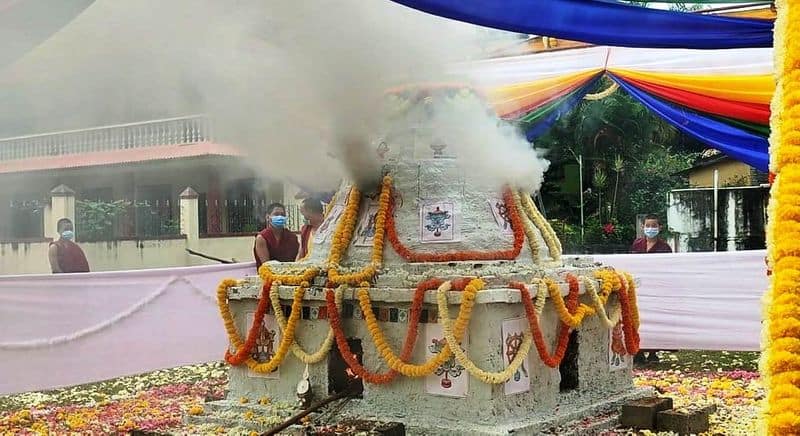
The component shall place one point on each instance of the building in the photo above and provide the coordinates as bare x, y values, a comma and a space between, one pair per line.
123, 185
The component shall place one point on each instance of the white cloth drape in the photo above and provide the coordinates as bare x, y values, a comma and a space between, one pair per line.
59, 330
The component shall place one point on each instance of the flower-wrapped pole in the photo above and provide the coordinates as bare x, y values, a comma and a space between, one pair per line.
781, 339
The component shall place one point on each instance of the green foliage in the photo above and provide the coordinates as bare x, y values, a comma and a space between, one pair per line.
630, 161
95, 219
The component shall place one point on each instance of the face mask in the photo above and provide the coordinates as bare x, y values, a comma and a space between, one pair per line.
278, 221
651, 232
67, 235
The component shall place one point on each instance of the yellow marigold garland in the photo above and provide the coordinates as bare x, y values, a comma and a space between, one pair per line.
598, 301
485, 376
573, 321
236, 340
295, 348
780, 366
541, 296
549, 235
385, 350
527, 227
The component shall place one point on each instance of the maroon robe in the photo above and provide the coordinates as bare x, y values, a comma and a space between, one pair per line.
70, 257
640, 246
284, 250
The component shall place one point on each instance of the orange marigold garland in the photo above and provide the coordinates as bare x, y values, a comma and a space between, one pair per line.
243, 352
628, 323
538, 338
509, 254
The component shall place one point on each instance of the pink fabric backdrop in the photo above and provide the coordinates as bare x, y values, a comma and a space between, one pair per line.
60, 330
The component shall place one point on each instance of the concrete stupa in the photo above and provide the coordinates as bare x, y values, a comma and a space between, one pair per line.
414, 260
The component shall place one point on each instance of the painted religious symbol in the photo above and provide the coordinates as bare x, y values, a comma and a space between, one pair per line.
512, 334
438, 150
617, 354
450, 368
501, 215
325, 229
382, 149
365, 233
266, 343
450, 378
438, 222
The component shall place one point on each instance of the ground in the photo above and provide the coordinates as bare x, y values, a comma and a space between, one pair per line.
155, 402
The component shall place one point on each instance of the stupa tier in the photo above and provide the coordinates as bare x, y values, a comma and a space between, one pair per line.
446, 303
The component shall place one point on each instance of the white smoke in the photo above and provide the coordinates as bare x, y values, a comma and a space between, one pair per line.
297, 84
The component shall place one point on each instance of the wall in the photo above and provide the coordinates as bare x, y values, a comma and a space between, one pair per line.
741, 218
729, 172
31, 257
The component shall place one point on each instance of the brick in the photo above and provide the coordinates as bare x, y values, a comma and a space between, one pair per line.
641, 414
683, 423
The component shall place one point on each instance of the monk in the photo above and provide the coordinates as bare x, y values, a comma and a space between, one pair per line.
313, 213
66, 256
275, 242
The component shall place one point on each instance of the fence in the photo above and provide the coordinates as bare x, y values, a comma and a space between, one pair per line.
124, 219
171, 131
243, 215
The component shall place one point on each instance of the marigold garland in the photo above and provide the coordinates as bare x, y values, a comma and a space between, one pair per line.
530, 233
541, 296
628, 326
347, 354
385, 350
242, 349
598, 301
465, 255
447, 329
549, 235
551, 360
630, 284
781, 328
568, 317
295, 348
286, 340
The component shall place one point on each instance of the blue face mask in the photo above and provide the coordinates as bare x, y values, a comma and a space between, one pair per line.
651, 232
278, 221
67, 235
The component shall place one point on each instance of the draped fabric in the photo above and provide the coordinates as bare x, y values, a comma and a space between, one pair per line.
538, 122
607, 23
736, 143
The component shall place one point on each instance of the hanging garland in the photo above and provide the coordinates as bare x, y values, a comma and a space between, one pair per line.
541, 296
385, 350
347, 354
551, 360
571, 318
242, 349
447, 329
286, 340
295, 348
602, 94
549, 235
466, 255
628, 326
598, 302
530, 233
627, 281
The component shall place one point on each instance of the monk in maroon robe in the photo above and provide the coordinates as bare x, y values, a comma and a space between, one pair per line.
66, 256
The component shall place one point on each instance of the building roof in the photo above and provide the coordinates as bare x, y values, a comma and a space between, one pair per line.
117, 157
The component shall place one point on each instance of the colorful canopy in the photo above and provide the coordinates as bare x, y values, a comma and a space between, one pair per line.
720, 97
605, 22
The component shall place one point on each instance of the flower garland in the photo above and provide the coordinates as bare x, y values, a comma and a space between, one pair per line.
347, 354
568, 317
509, 254
286, 340
628, 327
295, 348
551, 360
447, 329
395, 363
780, 365
541, 296
533, 241
598, 301
627, 281
549, 235
243, 349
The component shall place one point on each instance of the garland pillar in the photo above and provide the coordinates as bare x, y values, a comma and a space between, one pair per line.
781, 342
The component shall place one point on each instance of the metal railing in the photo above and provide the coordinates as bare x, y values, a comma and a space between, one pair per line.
170, 131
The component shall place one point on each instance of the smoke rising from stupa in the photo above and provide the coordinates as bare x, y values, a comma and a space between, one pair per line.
297, 84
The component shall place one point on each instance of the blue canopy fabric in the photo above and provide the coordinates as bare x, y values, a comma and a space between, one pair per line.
564, 107
736, 143
605, 22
